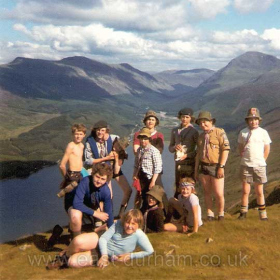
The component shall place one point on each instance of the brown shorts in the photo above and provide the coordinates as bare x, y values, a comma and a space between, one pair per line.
253, 174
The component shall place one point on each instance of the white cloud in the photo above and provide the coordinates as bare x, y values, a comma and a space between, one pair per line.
203, 49
248, 6
141, 15
209, 9
273, 36
243, 36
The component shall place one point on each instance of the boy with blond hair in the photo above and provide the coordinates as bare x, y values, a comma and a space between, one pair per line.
73, 157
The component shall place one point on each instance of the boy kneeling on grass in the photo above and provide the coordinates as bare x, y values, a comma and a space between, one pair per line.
184, 213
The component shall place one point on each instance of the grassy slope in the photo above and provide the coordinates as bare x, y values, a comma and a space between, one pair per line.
240, 250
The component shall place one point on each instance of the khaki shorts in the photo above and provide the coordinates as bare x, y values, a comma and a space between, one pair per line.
253, 174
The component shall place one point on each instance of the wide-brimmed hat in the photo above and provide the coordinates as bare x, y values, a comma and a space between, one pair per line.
100, 124
151, 113
253, 113
156, 192
144, 132
119, 146
186, 111
205, 115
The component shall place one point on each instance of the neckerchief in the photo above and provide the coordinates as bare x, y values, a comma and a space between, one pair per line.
206, 144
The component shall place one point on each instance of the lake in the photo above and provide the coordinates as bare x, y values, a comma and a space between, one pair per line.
30, 205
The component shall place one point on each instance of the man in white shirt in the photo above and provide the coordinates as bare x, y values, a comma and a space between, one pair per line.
254, 147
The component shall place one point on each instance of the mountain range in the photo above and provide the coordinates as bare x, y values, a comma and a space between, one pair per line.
41, 99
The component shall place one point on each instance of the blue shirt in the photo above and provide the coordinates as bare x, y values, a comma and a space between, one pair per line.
115, 242
87, 196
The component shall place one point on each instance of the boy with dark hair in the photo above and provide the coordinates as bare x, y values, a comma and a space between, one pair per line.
90, 193
254, 147
183, 144
100, 148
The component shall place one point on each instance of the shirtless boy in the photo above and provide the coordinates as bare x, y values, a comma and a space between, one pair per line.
73, 158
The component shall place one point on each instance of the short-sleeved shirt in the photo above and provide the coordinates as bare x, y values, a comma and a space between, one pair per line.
218, 142
157, 140
187, 204
253, 154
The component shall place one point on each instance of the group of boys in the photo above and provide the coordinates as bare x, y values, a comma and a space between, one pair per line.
202, 157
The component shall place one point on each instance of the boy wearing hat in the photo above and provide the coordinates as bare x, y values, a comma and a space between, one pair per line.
254, 147
99, 148
154, 216
183, 144
147, 165
151, 121
212, 153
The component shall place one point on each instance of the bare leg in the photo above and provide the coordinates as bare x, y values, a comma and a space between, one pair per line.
79, 250
75, 217
246, 188
207, 186
126, 189
170, 227
259, 193
218, 189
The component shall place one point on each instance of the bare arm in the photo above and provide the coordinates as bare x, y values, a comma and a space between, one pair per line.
196, 166
240, 148
266, 151
222, 161
65, 159
195, 218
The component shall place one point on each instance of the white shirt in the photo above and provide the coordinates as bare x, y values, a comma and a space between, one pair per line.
253, 153
187, 204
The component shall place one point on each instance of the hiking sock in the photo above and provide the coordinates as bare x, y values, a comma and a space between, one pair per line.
244, 209
221, 214
262, 212
210, 213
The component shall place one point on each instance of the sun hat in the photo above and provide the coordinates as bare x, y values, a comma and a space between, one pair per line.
144, 132
253, 113
156, 192
205, 115
151, 113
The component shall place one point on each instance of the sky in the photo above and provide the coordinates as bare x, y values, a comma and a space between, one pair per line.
150, 35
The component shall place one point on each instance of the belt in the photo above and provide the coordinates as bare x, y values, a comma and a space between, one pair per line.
208, 164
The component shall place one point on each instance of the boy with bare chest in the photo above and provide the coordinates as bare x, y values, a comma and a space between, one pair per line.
73, 158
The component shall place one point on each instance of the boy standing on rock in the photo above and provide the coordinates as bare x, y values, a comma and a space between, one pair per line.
254, 147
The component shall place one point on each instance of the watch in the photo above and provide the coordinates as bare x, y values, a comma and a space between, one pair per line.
221, 166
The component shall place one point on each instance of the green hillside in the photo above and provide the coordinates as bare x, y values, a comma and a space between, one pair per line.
238, 250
